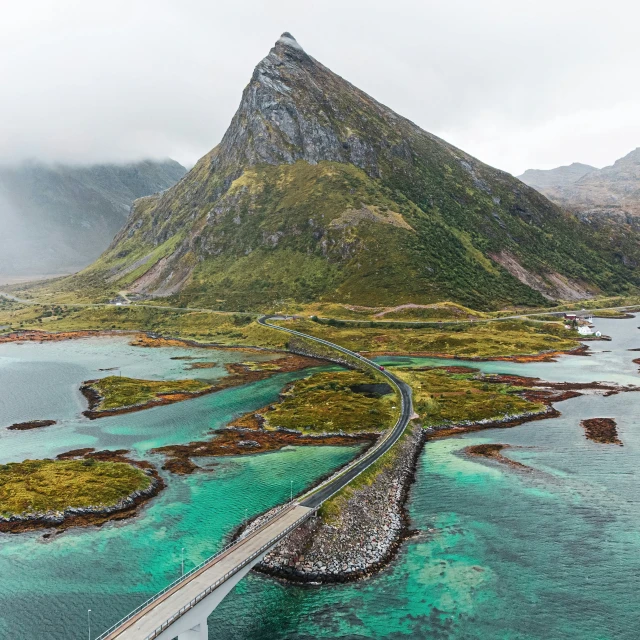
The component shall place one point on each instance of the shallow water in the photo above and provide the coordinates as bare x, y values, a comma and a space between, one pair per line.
48, 585
609, 361
547, 554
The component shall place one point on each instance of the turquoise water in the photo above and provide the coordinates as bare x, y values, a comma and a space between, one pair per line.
500, 554
46, 586
609, 362
549, 554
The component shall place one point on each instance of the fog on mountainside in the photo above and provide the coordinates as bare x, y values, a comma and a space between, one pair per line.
558, 177
611, 194
59, 218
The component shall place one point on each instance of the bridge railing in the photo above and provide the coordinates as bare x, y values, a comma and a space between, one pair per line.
381, 441
187, 576
211, 588
275, 514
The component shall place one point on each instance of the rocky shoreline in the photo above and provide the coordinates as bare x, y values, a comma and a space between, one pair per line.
34, 335
239, 374
126, 508
94, 399
494, 452
31, 424
237, 441
372, 522
368, 533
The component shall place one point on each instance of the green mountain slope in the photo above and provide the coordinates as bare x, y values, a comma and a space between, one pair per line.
317, 191
58, 217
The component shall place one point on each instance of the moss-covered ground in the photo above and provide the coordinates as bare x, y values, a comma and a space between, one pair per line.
55, 485
201, 326
441, 397
614, 313
335, 401
408, 312
482, 340
117, 392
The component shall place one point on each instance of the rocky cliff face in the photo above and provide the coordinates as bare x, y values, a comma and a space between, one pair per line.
609, 195
58, 218
317, 191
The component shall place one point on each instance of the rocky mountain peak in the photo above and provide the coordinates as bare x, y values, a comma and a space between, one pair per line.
318, 190
633, 157
287, 40
294, 108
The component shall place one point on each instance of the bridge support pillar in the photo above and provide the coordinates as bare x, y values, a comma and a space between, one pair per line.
198, 632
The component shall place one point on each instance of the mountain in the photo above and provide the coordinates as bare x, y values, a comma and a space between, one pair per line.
58, 218
542, 179
610, 195
319, 192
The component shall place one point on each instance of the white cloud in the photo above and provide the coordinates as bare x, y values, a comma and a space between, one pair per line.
517, 84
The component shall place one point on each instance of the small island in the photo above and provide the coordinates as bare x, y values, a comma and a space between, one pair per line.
602, 430
87, 489
202, 365
114, 395
31, 424
494, 452
332, 408
119, 394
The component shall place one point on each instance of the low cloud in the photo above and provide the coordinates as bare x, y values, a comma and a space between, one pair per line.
517, 85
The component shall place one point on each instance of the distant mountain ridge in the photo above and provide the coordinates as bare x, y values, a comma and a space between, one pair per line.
58, 218
559, 177
611, 194
319, 192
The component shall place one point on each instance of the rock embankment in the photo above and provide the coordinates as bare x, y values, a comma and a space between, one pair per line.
365, 533
602, 430
31, 424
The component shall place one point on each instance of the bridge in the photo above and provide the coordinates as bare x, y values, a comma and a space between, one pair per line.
182, 608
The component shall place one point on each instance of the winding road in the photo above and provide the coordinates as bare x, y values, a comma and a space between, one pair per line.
182, 608
318, 495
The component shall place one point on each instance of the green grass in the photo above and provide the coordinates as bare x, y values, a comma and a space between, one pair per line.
331, 509
612, 313
442, 398
201, 326
55, 485
480, 340
483, 340
118, 392
326, 403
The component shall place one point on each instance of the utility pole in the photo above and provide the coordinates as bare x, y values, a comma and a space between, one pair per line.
89, 621
291, 499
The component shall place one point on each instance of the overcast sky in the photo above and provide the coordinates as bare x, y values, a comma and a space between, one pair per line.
518, 84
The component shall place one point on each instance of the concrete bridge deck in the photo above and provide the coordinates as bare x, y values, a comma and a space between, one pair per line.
181, 610
167, 609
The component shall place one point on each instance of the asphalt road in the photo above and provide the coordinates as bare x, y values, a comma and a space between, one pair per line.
195, 586
317, 496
